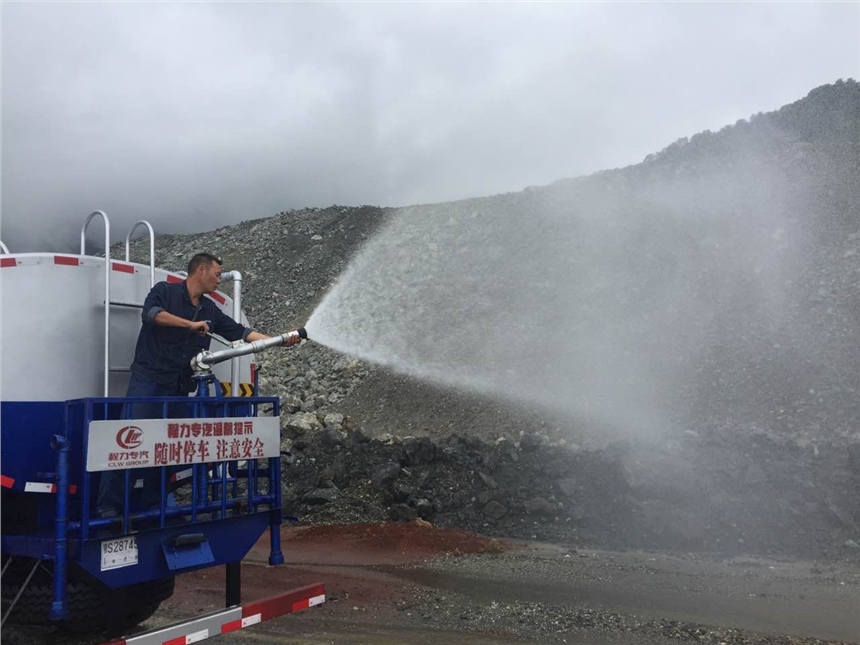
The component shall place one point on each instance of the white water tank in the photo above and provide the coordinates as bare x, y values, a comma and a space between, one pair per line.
52, 331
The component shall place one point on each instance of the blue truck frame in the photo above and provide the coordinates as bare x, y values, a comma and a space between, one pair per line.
218, 525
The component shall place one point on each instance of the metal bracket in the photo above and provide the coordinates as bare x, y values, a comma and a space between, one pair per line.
188, 550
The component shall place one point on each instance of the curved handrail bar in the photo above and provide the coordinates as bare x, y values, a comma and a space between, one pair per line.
143, 222
107, 287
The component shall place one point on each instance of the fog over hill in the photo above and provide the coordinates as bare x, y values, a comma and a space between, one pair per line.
713, 283
668, 349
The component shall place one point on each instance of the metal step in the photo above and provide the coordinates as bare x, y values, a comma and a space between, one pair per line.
123, 303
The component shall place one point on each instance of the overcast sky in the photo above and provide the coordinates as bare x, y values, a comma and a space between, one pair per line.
199, 114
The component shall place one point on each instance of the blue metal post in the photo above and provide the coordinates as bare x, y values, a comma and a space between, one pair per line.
200, 471
276, 556
199, 475
86, 477
59, 608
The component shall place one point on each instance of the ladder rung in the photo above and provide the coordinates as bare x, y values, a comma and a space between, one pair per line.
123, 303
120, 369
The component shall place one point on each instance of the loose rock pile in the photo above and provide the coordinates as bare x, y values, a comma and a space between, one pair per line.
750, 496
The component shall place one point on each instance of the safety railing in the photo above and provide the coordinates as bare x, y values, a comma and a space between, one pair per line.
131, 231
237, 480
224, 480
106, 222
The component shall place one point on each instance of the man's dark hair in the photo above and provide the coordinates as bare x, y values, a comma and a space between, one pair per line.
202, 259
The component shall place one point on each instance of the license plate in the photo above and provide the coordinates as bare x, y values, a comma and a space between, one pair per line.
119, 552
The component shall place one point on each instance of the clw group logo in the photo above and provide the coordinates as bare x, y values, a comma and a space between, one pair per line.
129, 437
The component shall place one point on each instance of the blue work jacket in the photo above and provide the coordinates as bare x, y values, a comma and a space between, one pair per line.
163, 354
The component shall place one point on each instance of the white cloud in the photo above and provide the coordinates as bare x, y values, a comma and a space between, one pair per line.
199, 114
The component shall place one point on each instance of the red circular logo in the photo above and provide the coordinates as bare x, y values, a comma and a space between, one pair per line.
129, 437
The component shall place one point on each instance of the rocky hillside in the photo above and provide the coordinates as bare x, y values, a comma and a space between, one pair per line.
766, 457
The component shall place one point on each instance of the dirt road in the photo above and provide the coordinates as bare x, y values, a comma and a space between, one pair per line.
408, 584
399, 583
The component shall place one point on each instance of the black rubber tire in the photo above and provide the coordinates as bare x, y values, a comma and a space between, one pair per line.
116, 611
92, 606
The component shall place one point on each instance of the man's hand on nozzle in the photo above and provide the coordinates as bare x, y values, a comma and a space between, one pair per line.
199, 327
293, 338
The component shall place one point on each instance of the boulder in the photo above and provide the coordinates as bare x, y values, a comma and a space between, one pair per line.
320, 496
495, 510
384, 475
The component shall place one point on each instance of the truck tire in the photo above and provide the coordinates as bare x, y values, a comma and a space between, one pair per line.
93, 607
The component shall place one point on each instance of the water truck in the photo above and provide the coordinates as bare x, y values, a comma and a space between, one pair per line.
69, 327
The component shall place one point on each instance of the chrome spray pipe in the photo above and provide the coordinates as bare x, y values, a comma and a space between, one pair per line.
204, 361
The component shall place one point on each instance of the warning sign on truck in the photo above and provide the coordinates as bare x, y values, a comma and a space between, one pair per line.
174, 442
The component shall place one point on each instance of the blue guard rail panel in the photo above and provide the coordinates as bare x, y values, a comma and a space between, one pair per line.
212, 464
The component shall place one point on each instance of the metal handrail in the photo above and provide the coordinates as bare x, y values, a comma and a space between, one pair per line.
151, 248
107, 287
4, 248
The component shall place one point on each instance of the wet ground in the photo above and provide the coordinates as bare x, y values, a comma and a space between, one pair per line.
399, 583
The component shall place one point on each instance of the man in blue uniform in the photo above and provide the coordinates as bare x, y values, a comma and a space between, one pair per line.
176, 320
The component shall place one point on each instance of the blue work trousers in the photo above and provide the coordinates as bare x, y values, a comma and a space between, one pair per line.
110, 497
